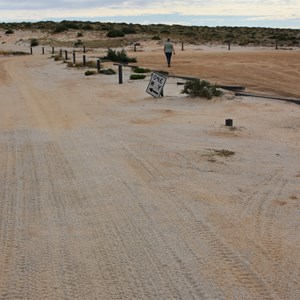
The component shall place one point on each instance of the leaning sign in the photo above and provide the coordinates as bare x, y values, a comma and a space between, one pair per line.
156, 85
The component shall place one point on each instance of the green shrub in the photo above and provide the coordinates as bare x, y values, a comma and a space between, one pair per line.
34, 42
89, 72
60, 28
78, 43
200, 88
9, 31
79, 34
115, 33
156, 38
141, 70
107, 72
137, 76
118, 56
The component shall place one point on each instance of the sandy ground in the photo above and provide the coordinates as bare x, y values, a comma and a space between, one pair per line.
108, 193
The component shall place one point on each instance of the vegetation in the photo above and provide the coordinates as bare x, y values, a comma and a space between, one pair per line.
137, 76
200, 88
178, 33
141, 70
15, 53
9, 31
89, 73
107, 71
118, 56
34, 42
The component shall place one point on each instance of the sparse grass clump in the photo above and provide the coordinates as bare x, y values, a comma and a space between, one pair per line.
34, 42
137, 76
222, 152
200, 88
107, 71
89, 73
118, 56
15, 53
9, 31
141, 70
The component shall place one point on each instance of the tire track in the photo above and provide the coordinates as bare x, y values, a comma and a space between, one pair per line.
236, 269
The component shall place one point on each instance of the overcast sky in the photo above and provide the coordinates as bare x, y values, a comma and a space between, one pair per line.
261, 13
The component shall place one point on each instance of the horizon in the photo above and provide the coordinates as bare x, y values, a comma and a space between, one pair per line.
283, 14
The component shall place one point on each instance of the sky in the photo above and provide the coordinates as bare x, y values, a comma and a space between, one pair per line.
250, 13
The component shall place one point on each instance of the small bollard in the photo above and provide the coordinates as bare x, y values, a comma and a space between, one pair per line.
66, 54
229, 45
276, 45
98, 65
74, 57
60, 53
182, 47
229, 122
120, 74
43, 50
52, 50
31, 50
84, 60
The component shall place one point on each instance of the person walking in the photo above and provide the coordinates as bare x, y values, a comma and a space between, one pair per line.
169, 50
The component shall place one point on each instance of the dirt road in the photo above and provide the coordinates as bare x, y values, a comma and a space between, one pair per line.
106, 193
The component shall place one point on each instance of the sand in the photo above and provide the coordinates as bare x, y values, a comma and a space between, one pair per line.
109, 193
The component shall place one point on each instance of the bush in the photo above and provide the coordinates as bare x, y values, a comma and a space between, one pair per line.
79, 34
107, 72
156, 38
141, 70
118, 56
78, 43
60, 28
200, 88
9, 31
89, 72
115, 33
34, 42
137, 76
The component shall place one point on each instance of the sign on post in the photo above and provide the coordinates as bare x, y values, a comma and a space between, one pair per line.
156, 85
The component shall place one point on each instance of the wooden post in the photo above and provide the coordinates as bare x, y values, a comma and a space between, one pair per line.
74, 57
43, 50
98, 65
134, 47
276, 45
83, 49
31, 50
66, 54
84, 60
52, 50
60, 53
182, 47
120, 74
228, 45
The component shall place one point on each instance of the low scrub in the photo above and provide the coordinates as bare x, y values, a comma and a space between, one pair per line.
137, 76
200, 88
14, 53
89, 73
118, 56
141, 70
34, 42
107, 71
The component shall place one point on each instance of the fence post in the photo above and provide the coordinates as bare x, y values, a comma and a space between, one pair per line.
134, 47
84, 60
229, 45
60, 53
83, 49
66, 55
276, 45
98, 65
31, 50
182, 47
43, 50
120, 74
52, 50
74, 57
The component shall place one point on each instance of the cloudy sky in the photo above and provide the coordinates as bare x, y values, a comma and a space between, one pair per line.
261, 13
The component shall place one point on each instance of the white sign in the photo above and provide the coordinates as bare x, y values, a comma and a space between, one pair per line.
156, 85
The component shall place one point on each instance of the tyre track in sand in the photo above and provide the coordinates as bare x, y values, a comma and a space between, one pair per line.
225, 264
